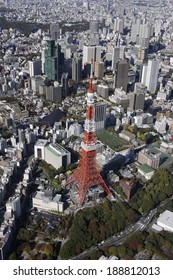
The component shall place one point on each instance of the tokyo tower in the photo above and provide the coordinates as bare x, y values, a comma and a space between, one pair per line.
87, 174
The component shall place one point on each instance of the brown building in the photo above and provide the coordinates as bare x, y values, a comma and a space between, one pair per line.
128, 187
99, 70
122, 75
149, 157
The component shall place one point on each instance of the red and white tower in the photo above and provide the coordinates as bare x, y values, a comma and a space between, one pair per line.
87, 173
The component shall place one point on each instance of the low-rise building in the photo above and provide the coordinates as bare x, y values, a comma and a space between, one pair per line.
53, 154
165, 220
57, 155
46, 199
126, 135
146, 171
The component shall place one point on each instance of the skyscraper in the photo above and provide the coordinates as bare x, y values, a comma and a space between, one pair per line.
100, 116
122, 75
115, 57
119, 25
35, 67
54, 31
94, 33
136, 101
150, 74
77, 69
135, 31
64, 83
91, 53
99, 70
54, 61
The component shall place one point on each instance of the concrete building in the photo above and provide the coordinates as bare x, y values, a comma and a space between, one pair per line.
53, 154
14, 203
120, 97
35, 67
103, 90
150, 75
119, 25
115, 57
135, 31
99, 70
65, 86
54, 31
36, 82
100, 116
3, 145
77, 69
121, 78
57, 156
136, 101
48, 202
128, 187
74, 129
143, 119
160, 125
21, 135
94, 33
165, 220
140, 88
91, 53
39, 148
54, 93
126, 135
146, 171
147, 156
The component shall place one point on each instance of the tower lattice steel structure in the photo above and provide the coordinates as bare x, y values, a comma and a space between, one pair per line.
87, 173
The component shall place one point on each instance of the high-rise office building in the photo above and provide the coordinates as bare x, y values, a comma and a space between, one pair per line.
94, 27
140, 88
54, 61
94, 33
54, 93
115, 57
77, 69
100, 116
144, 31
21, 135
99, 70
136, 101
54, 31
91, 53
119, 25
103, 90
86, 5
35, 67
150, 74
122, 75
135, 31
64, 83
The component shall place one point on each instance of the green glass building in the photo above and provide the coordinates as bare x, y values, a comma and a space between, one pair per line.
54, 61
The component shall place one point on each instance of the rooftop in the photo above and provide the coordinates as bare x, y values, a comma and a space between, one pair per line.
166, 218
41, 142
146, 168
57, 150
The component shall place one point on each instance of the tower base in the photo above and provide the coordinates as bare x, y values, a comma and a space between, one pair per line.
87, 175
